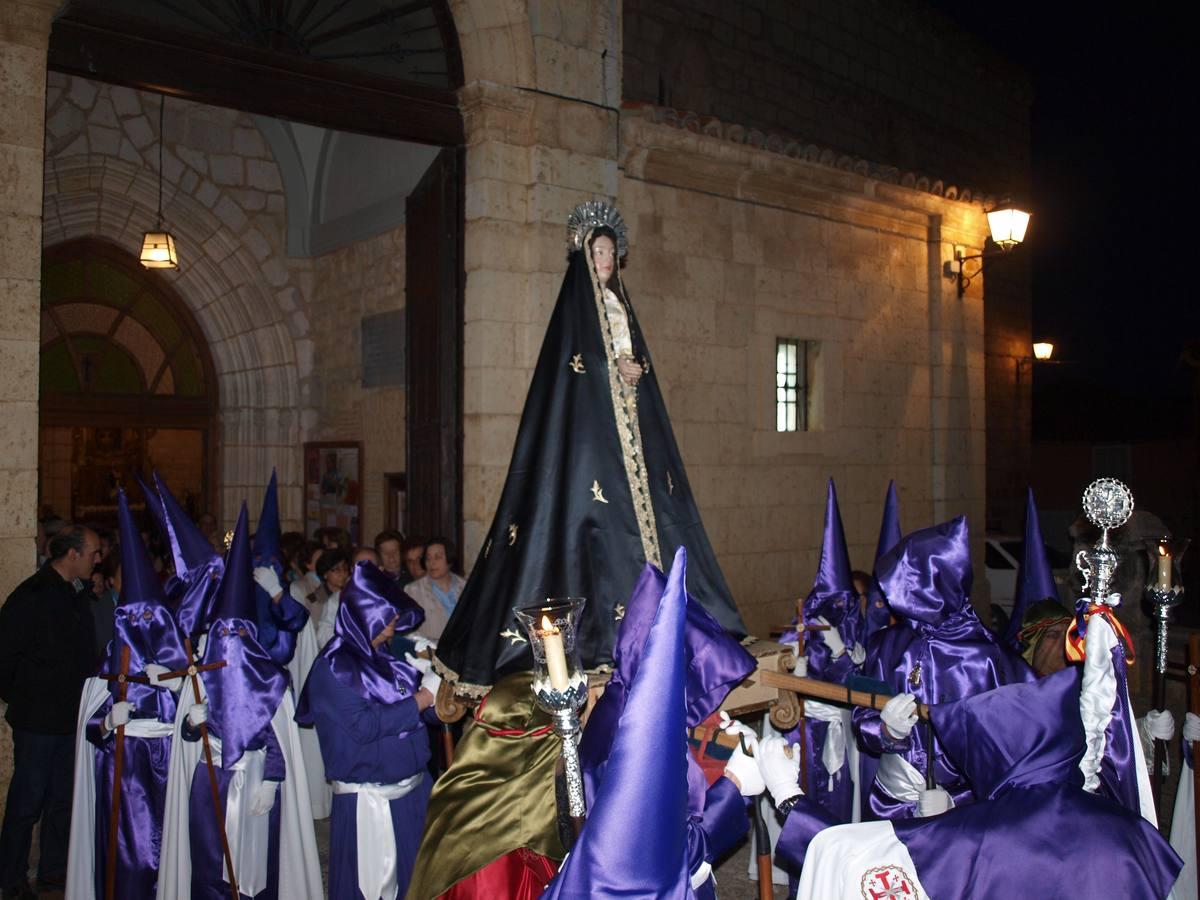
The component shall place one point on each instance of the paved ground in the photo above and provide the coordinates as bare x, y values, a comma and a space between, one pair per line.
732, 882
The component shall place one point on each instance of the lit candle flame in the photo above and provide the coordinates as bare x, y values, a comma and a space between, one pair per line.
547, 625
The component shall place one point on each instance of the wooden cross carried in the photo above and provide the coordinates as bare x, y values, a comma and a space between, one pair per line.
192, 672
801, 629
122, 678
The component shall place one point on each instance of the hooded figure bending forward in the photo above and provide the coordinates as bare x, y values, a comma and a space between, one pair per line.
596, 487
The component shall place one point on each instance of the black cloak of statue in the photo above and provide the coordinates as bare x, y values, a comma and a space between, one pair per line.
596, 488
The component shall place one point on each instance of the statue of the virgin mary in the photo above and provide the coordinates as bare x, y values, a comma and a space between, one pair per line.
596, 487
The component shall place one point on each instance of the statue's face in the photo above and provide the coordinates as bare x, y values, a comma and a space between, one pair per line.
604, 257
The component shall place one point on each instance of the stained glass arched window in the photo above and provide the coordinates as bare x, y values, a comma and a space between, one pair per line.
109, 327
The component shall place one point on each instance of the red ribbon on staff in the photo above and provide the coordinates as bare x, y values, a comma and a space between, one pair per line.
1075, 640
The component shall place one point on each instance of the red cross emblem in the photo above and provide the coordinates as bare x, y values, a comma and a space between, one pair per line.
888, 883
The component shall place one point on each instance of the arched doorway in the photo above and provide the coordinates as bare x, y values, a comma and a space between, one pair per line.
126, 385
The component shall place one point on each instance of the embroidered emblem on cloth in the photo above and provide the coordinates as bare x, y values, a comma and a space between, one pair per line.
576, 364
514, 636
512, 534
914, 677
597, 492
888, 883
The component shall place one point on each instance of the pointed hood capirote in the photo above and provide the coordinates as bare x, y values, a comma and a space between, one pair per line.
244, 693
878, 614
369, 602
198, 566
1035, 578
267, 533
596, 488
832, 597
645, 779
142, 623
189, 548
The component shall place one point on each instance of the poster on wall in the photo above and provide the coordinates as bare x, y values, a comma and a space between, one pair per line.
333, 487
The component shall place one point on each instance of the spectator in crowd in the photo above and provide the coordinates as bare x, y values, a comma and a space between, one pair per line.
48, 527
105, 595
309, 589
290, 543
333, 537
367, 553
47, 651
207, 523
334, 570
437, 592
390, 547
414, 552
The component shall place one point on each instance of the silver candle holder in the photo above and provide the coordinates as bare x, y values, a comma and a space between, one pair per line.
1108, 504
560, 685
1164, 588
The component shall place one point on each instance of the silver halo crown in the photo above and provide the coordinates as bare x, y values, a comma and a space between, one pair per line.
592, 214
1107, 503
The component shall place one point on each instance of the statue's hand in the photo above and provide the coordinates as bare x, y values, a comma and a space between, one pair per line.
629, 369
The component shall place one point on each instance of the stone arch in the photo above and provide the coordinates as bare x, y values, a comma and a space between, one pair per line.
246, 295
496, 41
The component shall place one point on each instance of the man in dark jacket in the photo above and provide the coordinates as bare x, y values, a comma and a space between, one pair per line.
47, 650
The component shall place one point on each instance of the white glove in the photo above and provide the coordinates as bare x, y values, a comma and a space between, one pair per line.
266, 579
1159, 724
858, 654
741, 730
420, 642
780, 772
118, 715
431, 681
155, 673
263, 799
832, 639
933, 802
745, 770
420, 663
1191, 727
198, 714
899, 715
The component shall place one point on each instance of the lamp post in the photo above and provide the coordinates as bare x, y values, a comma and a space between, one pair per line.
1007, 225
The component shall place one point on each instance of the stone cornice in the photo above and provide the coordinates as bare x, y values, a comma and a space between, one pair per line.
662, 147
793, 148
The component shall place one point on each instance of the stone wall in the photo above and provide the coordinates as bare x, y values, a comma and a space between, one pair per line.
732, 247
886, 80
892, 82
362, 279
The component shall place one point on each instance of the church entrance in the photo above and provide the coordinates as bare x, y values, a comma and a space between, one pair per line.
326, 83
127, 386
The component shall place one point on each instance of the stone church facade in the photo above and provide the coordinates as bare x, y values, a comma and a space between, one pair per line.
748, 222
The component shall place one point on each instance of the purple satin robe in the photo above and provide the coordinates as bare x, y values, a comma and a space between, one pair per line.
368, 741
208, 862
143, 803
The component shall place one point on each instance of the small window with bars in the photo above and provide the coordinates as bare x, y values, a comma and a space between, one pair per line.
791, 384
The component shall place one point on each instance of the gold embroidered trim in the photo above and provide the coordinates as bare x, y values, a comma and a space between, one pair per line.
624, 399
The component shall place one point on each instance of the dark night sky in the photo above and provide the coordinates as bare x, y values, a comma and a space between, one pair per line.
1115, 201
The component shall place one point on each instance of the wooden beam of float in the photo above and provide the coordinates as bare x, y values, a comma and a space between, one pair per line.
825, 690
